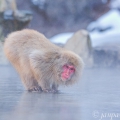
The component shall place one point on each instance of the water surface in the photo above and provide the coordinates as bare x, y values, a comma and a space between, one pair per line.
95, 97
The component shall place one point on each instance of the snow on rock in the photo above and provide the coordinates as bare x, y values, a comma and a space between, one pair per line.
109, 20
61, 38
106, 29
105, 38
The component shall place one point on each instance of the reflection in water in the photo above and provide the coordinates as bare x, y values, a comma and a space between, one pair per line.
46, 106
98, 90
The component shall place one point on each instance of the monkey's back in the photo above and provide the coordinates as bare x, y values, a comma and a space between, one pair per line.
22, 39
22, 43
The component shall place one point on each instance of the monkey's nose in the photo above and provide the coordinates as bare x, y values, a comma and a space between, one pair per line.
67, 72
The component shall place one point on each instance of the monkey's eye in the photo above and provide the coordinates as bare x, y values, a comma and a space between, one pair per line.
66, 66
72, 69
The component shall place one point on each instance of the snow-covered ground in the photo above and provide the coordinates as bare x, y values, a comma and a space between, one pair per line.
104, 30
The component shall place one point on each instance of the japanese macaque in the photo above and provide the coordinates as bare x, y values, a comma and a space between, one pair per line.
41, 65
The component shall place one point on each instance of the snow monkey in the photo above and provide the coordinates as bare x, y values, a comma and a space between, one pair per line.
41, 65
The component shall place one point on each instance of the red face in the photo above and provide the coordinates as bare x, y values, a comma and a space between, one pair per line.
68, 71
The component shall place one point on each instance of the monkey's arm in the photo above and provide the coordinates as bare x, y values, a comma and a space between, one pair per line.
42, 67
38, 64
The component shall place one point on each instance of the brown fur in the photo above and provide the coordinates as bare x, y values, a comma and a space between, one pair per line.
38, 61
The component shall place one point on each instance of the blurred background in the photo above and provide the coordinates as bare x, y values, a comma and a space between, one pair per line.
91, 29
61, 20
57, 16
52, 17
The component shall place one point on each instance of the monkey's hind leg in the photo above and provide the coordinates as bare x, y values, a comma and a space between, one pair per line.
30, 83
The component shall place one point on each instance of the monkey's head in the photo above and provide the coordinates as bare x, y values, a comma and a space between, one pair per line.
68, 71
69, 67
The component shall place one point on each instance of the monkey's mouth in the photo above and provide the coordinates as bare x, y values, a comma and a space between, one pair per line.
65, 77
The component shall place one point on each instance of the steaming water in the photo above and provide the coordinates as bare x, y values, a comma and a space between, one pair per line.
94, 97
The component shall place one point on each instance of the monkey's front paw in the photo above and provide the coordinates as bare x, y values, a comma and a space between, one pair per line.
50, 91
35, 89
47, 90
55, 91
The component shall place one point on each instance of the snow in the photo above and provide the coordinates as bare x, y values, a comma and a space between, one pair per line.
98, 39
109, 23
109, 20
115, 4
61, 38
39, 3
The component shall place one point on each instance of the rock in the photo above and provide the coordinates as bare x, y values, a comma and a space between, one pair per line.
14, 20
107, 55
11, 18
104, 55
80, 43
23, 15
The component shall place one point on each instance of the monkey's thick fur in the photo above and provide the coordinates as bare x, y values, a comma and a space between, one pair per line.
38, 61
